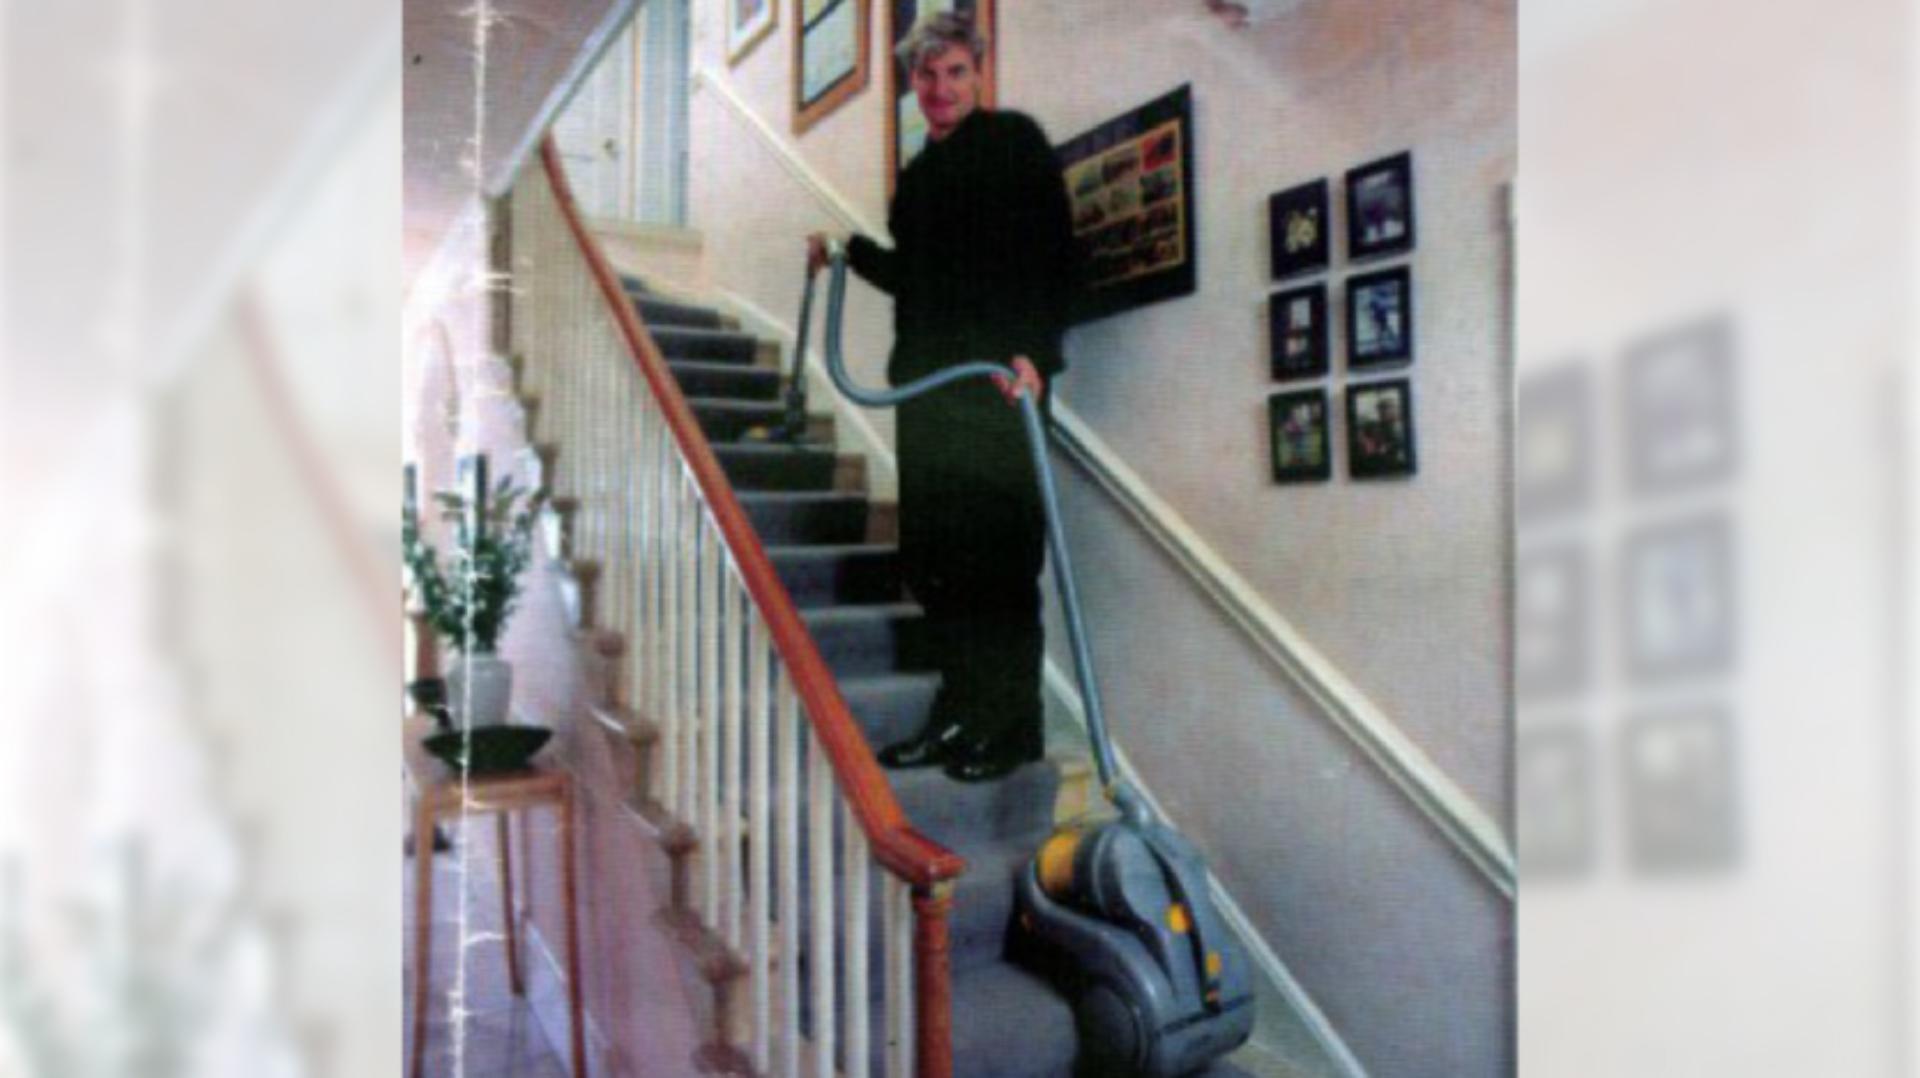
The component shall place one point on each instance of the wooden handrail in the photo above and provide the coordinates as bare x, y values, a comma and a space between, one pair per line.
903, 851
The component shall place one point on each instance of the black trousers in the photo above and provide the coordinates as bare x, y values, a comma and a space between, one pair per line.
972, 544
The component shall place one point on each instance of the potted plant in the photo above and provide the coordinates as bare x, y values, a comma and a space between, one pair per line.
468, 599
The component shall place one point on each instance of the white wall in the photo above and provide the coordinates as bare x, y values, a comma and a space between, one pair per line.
1402, 584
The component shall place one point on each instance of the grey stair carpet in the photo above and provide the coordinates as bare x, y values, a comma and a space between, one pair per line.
1007, 1022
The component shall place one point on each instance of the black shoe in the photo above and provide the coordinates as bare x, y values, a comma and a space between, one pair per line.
934, 744
995, 757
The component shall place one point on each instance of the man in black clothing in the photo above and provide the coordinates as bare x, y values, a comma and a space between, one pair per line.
982, 269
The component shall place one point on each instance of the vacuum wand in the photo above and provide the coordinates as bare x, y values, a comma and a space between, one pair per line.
1122, 797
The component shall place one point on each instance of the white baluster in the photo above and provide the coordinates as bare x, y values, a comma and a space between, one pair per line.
897, 910
820, 802
732, 638
688, 653
853, 885
667, 711
759, 831
789, 791
711, 572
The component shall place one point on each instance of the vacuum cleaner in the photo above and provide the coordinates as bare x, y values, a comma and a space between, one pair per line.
1117, 913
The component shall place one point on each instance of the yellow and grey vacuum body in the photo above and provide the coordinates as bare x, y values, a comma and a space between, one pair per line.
1119, 914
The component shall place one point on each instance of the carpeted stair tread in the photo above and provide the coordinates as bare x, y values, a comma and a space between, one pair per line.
732, 381
845, 574
710, 345
1010, 1023
773, 466
878, 639
955, 813
890, 707
791, 517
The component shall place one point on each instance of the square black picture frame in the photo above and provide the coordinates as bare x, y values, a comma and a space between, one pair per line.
1299, 437
1380, 318
1380, 442
1380, 207
1299, 224
1297, 333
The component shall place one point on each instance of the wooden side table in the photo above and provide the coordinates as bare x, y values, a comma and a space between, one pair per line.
439, 792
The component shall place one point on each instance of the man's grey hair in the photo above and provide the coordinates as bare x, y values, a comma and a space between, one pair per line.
937, 31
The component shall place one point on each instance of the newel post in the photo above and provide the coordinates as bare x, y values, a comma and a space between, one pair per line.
933, 982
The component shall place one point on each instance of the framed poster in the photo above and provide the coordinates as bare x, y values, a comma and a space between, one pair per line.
1301, 447
906, 128
1380, 318
1131, 185
1380, 429
829, 57
1380, 207
1297, 332
1298, 223
748, 23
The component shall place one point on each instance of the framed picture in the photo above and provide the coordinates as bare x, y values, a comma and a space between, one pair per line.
1681, 797
1380, 318
829, 57
1131, 185
1301, 447
1380, 207
1554, 793
1297, 332
906, 128
1679, 407
1678, 602
1297, 226
1380, 429
1554, 455
748, 23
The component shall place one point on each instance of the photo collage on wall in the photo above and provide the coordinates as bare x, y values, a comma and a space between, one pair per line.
1378, 325
1130, 182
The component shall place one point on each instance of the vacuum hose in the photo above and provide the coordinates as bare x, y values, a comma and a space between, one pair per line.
1122, 796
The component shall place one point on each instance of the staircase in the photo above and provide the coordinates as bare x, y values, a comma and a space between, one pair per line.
837, 559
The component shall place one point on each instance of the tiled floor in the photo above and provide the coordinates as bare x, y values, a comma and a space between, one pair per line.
498, 1035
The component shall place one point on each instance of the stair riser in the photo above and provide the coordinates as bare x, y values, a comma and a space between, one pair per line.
732, 425
735, 383
786, 523
660, 314
849, 579
706, 346
796, 471
881, 646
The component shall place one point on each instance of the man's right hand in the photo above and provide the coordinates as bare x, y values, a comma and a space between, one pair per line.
816, 253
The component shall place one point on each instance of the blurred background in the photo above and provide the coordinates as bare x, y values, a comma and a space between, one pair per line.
200, 296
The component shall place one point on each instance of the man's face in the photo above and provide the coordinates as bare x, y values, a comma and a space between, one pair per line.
948, 86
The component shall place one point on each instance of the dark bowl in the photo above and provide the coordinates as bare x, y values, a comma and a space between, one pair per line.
488, 750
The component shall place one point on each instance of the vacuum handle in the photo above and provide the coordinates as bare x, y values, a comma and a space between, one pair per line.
1122, 797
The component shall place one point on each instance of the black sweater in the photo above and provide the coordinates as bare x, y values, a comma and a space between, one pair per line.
982, 266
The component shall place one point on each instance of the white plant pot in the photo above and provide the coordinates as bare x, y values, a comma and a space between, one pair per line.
479, 690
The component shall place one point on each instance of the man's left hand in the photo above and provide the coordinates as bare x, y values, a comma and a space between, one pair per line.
1025, 377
